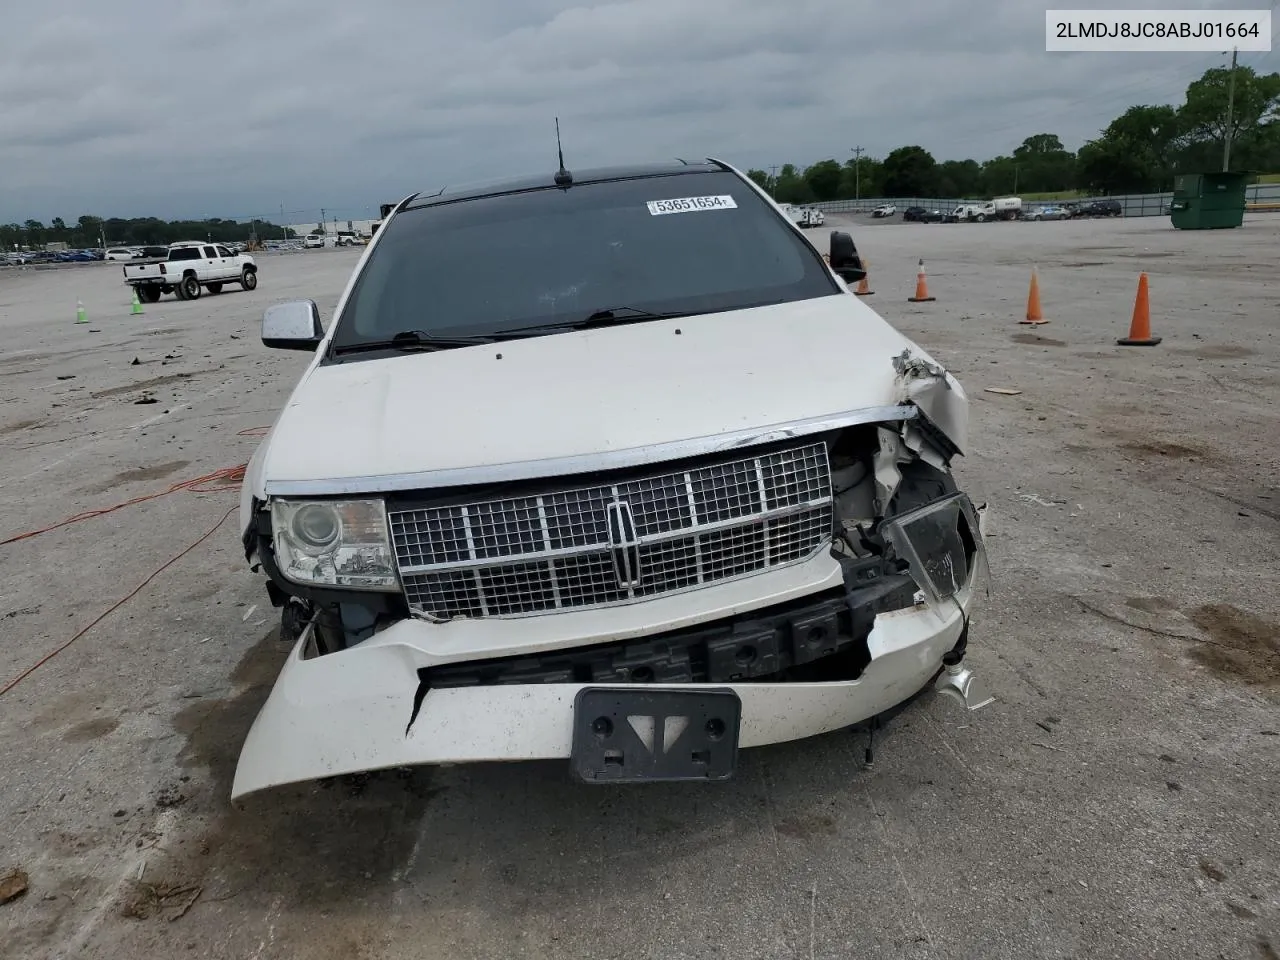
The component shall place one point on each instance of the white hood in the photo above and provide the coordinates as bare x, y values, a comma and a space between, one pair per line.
586, 393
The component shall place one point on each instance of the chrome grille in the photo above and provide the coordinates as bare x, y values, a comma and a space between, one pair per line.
569, 549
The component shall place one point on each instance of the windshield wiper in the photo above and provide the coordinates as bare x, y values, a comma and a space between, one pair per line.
604, 317
411, 341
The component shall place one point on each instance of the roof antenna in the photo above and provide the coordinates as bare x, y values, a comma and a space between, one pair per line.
563, 176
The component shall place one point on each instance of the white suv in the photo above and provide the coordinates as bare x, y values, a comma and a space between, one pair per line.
571, 474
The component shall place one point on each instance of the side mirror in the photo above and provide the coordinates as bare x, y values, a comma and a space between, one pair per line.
292, 326
844, 258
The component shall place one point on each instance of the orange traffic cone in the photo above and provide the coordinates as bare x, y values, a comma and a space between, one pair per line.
864, 288
1033, 301
1140, 326
922, 288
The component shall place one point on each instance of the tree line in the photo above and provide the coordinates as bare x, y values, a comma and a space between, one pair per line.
1139, 152
89, 232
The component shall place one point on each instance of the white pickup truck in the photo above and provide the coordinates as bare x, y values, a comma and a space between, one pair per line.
189, 269
1001, 208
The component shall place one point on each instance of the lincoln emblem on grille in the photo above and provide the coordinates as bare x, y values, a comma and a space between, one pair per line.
622, 544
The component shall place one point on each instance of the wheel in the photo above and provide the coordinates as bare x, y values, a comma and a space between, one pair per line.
249, 279
214, 287
981, 218
189, 288
1037, 217
148, 294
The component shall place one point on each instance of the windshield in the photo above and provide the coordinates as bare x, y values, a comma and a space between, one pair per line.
552, 256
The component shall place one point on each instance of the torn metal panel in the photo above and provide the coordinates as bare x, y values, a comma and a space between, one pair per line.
924, 383
888, 476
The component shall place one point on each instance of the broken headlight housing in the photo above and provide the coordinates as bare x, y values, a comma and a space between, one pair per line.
334, 543
942, 545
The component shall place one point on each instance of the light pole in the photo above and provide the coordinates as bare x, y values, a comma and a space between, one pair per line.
857, 174
1231, 101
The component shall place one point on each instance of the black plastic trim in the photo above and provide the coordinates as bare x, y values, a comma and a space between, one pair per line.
782, 641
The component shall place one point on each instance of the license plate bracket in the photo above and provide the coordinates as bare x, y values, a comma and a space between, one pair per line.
629, 735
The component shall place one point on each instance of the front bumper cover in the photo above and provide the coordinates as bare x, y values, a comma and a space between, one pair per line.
349, 712
373, 706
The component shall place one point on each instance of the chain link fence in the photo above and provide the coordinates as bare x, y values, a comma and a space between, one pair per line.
1260, 196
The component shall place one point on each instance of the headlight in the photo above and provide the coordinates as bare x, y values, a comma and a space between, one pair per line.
335, 543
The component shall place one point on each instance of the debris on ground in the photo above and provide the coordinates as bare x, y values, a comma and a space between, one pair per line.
168, 900
13, 885
1003, 391
170, 796
1040, 501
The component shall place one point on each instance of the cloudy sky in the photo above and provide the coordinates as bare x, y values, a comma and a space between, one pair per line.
240, 108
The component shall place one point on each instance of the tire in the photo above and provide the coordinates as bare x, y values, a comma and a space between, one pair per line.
249, 279
214, 288
148, 293
189, 288
981, 218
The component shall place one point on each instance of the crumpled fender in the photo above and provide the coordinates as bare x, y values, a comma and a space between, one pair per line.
926, 384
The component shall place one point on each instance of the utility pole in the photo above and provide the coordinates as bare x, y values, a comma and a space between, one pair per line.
857, 174
324, 226
773, 181
1231, 101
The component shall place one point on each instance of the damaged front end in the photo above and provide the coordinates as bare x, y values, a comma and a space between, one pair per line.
480, 655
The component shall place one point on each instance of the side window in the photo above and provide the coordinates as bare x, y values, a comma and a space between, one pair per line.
209, 253
223, 252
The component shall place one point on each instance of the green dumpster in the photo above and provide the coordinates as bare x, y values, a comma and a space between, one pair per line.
1208, 201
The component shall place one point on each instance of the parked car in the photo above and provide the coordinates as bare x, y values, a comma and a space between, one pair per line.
884, 210
922, 215
474, 564
313, 241
189, 269
120, 253
1049, 212
1102, 208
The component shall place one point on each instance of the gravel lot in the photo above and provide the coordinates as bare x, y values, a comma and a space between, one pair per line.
1118, 800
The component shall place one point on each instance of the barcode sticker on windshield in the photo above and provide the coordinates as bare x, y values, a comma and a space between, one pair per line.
691, 204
